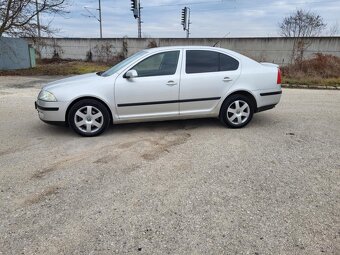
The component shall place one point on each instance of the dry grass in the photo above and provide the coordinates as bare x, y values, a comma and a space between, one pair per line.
60, 67
319, 70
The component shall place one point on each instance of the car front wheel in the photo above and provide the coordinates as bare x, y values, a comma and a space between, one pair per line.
88, 117
237, 111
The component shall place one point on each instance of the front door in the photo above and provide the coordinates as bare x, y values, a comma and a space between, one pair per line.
155, 90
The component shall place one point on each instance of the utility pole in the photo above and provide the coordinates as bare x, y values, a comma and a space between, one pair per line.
186, 20
100, 19
136, 9
38, 27
38, 19
139, 20
188, 14
92, 15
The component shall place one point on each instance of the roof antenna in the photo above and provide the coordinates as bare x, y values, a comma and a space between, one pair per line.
220, 40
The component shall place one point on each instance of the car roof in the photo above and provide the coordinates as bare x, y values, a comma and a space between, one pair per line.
229, 52
245, 60
183, 47
158, 49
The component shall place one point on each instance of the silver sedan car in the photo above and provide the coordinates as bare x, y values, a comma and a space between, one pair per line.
161, 84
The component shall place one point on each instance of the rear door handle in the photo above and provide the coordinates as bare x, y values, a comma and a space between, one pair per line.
227, 79
171, 83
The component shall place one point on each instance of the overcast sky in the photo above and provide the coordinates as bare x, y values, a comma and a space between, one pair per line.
210, 18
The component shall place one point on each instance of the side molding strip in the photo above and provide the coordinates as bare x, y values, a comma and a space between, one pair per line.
52, 109
271, 93
170, 101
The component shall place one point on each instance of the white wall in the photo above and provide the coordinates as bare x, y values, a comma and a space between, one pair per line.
276, 50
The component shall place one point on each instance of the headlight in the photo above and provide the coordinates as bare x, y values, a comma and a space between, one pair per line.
46, 96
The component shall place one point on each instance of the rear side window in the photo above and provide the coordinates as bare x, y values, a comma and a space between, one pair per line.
228, 63
201, 61
204, 61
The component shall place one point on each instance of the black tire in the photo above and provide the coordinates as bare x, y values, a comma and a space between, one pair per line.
227, 116
97, 124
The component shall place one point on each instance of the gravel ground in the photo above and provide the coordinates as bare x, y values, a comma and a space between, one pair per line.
179, 187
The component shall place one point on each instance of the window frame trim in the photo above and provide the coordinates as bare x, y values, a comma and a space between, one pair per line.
156, 53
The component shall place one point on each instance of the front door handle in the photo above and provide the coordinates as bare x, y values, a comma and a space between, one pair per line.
227, 79
171, 83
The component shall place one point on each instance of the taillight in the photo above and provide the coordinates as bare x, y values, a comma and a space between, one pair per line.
278, 76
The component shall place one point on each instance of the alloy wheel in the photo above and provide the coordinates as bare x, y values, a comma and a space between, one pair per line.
238, 112
88, 119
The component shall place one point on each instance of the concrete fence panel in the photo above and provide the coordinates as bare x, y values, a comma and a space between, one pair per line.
275, 49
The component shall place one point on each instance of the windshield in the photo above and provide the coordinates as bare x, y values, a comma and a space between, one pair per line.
123, 63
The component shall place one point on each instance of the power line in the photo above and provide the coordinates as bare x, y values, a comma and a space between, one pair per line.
192, 3
91, 15
222, 5
222, 2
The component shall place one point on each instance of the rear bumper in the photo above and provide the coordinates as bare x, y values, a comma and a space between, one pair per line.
265, 108
264, 94
267, 98
51, 111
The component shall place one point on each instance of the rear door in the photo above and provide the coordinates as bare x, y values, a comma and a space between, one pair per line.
207, 75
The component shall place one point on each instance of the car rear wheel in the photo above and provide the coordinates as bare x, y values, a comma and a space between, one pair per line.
237, 111
89, 117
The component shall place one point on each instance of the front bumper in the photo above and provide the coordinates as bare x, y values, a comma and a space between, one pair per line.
51, 111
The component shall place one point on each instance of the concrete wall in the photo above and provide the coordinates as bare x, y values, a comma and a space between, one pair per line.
276, 50
14, 54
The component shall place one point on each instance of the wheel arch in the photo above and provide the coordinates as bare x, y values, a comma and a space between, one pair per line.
244, 93
83, 98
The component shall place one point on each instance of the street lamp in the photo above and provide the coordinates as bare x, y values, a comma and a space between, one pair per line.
92, 15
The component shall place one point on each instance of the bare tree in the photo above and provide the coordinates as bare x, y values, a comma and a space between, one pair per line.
334, 29
301, 25
18, 17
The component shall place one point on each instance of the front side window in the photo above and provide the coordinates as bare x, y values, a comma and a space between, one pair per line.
164, 63
205, 61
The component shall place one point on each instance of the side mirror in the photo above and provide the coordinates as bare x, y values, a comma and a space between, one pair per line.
131, 74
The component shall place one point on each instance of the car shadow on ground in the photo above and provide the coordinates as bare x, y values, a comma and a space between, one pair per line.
263, 119
259, 120
165, 126
45, 129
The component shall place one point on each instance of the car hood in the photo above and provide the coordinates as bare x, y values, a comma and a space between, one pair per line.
78, 79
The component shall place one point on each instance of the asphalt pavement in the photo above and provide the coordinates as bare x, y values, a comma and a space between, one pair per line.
176, 187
